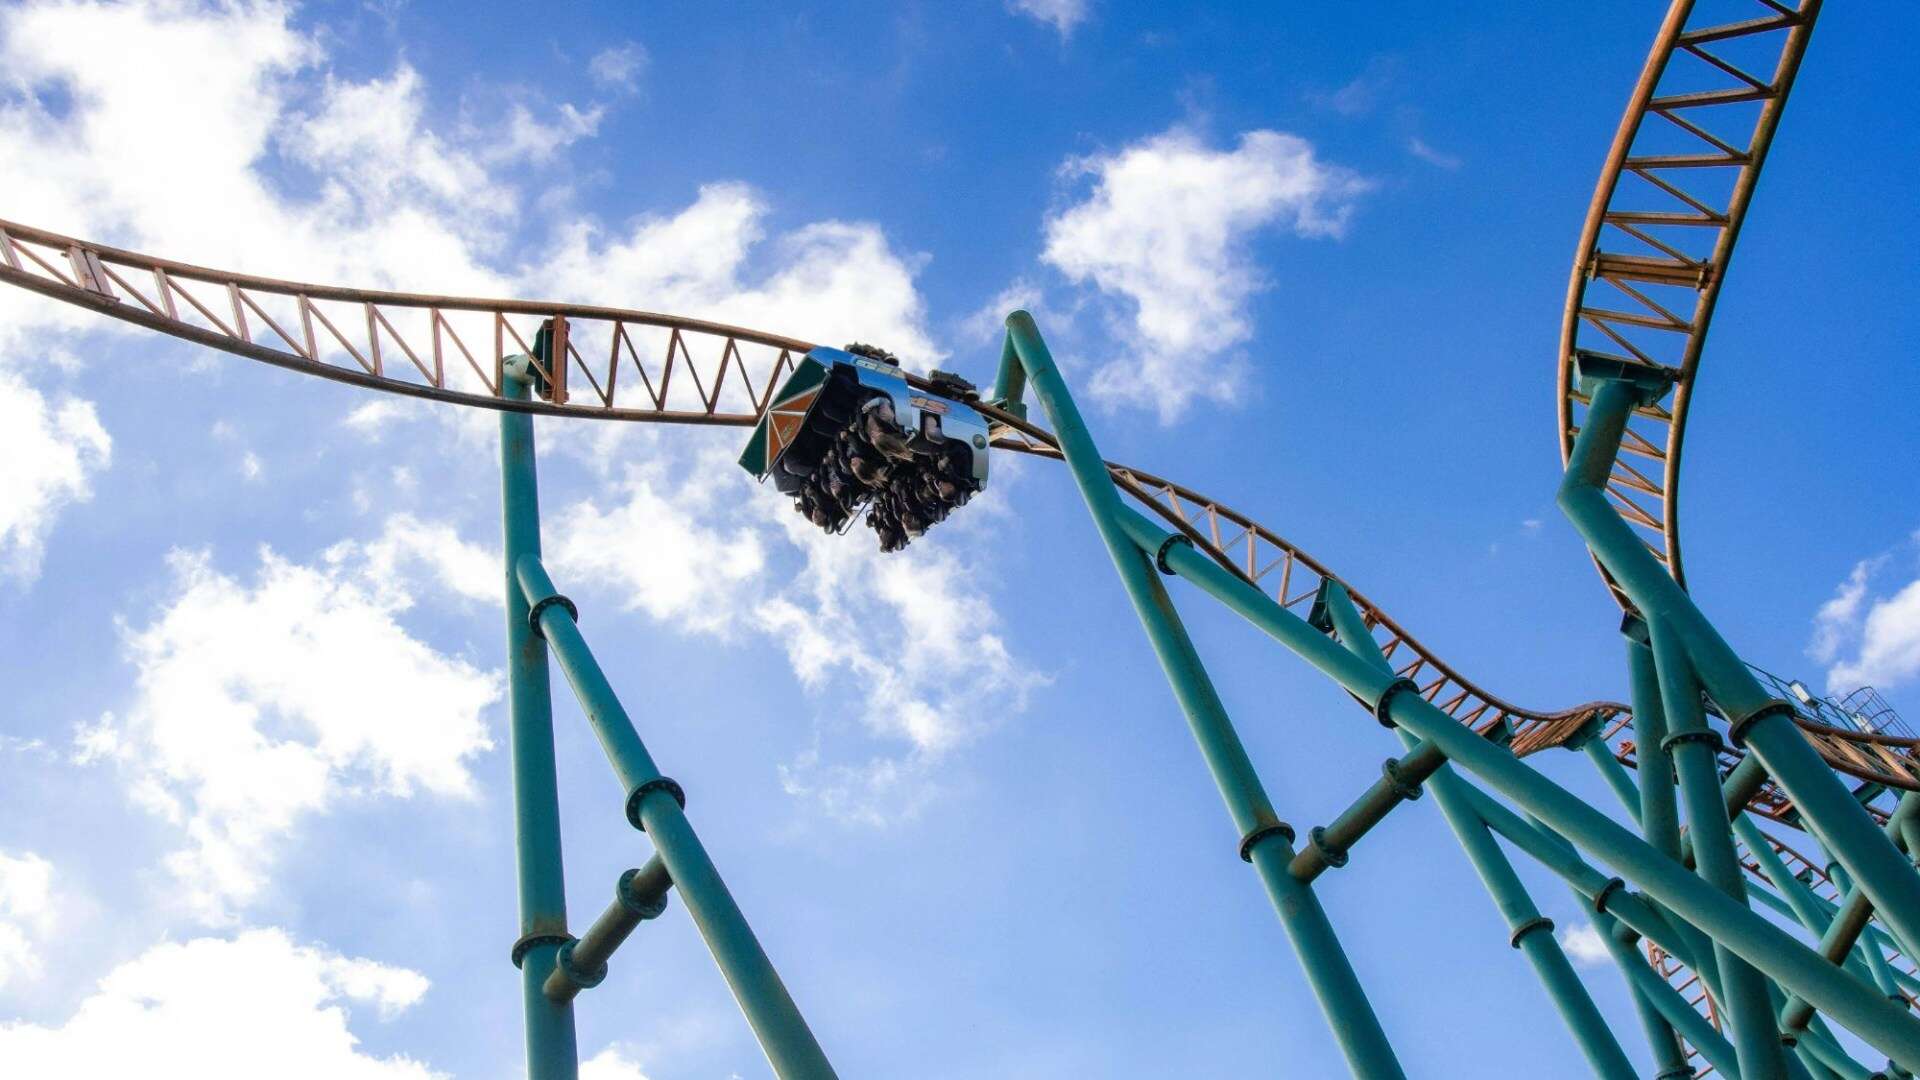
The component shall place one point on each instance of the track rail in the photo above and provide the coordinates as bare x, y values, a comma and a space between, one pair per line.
648, 367
1660, 232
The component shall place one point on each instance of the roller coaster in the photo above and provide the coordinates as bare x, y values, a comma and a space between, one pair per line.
1704, 737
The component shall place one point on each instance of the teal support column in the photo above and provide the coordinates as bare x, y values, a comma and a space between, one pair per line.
1669, 1059
1673, 1008
1753, 937
1800, 901
1010, 382
1529, 931
1764, 724
1695, 751
1659, 811
1614, 773
655, 805
1876, 961
1265, 841
1850, 921
551, 1050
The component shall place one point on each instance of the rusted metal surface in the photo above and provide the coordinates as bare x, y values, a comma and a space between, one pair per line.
690, 371
1660, 232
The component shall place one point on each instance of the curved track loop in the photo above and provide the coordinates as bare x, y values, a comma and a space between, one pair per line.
639, 366
1653, 253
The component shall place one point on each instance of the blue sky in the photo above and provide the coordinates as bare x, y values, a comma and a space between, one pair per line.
1311, 262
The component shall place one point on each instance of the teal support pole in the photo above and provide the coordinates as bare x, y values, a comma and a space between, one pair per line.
1266, 841
1748, 934
1010, 382
1659, 812
1799, 901
1669, 1059
1664, 999
1850, 921
1529, 931
655, 804
1764, 724
1876, 962
551, 1050
1695, 750
1614, 773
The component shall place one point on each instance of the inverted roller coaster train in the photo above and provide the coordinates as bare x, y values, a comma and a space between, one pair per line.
1705, 738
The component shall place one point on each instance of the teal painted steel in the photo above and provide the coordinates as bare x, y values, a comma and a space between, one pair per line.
640, 895
653, 806
1751, 936
1659, 811
1756, 1040
1765, 724
1877, 967
1010, 382
1615, 774
551, 1050
1679, 1014
1530, 932
1800, 902
1264, 843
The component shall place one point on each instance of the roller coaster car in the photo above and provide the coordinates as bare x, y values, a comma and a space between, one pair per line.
846, 432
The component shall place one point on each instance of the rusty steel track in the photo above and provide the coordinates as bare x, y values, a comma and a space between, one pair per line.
1660, 232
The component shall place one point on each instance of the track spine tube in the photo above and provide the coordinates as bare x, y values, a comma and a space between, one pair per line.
1328, 970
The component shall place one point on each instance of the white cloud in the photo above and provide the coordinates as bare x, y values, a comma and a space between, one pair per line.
619, 67
260, 703
1166, 228
225, 1010
1869, 635
275, 163
611, 1064
1418, 148
53, 450
830, 282
1584, 945
26, 914
408, 544
650, 542
528, 138
1062, 15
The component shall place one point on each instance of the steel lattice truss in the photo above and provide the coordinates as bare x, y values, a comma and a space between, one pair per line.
1651, 260
1654, 251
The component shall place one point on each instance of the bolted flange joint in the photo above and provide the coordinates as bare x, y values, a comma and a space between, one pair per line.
1332, 856
1700, 735
658, 783
533, 613
1395, 688
1737, 729
1396, 783
1160, 556
1538, 922
645, 906
1600, 898
529, 942
1247, 842
578, 976
1678, 1072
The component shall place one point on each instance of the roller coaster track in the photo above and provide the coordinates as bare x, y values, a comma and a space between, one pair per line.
1660, 232
641, 366
1650, 263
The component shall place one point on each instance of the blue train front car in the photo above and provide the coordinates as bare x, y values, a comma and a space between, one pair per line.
847, 433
